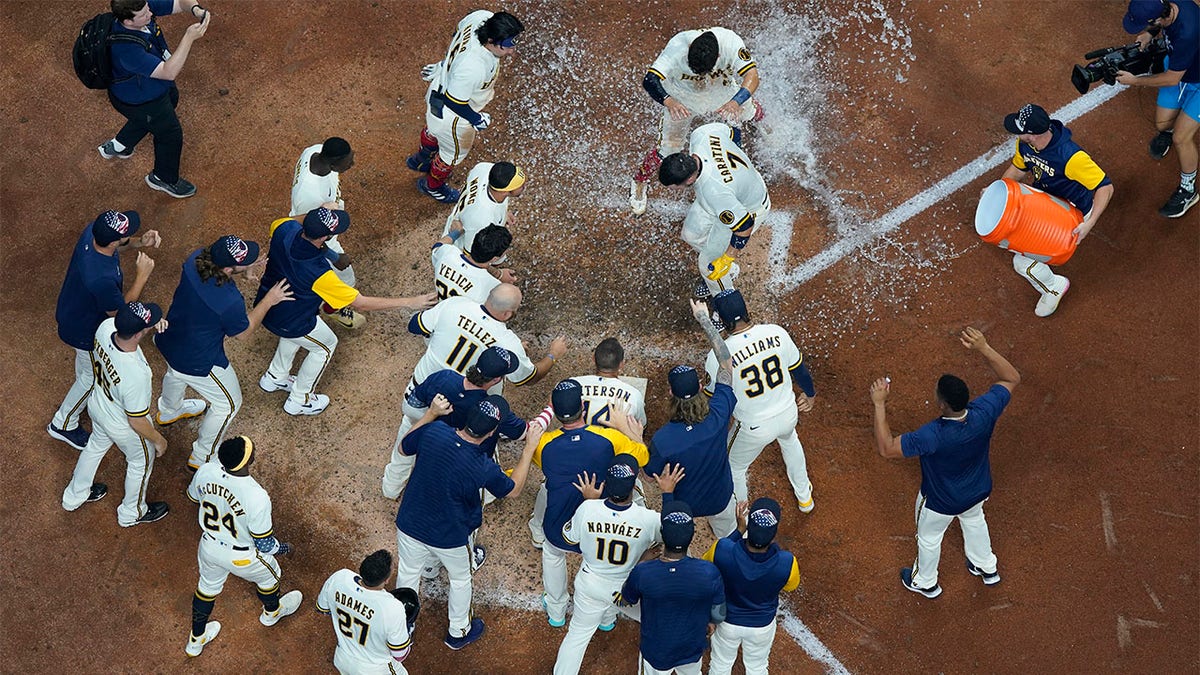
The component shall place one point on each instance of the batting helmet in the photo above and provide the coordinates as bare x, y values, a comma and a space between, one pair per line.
412, 605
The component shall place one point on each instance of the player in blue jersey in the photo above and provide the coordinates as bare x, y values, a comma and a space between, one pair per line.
207, 308
92, 292
1178, 88
563, 454
697, 435
1055, 164
956, 477
298, 254
679, 597
442, 504
754, 570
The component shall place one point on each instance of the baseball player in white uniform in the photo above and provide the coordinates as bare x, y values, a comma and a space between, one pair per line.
485, 200
766, 366
699, 72
731, 202
317, 182
470, 272
372, 628
119, 408
460, 87
612, 533
237, 537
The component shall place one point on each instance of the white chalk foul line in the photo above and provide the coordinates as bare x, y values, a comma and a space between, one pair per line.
809, 642
935, 193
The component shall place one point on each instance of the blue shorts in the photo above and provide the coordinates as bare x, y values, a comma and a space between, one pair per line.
1184, 96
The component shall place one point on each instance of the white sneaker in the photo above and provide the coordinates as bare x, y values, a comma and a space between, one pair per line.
269, 383
195, 644
638, 196
288, 604
314, 404
1049, 301
192, 407
430, 571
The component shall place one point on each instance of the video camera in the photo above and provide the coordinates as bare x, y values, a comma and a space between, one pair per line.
1131, 58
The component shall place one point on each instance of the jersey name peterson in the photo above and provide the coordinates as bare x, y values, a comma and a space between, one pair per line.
605, 392
772, 342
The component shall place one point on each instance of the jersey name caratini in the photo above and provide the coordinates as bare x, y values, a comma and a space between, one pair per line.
310, 190
709, 91
764, 357
476, 209
370, 624
233, 509
123, 380
459, 329
612, 540
469, 70
454, 275
729, 187
600, 392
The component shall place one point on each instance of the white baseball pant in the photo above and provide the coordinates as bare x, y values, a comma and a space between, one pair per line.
554, 580
1038, 274
320, 344
454, 135
644, 668
67, 415
593, 608
217, 560
220, 387
673, 134
348, 665
747, 441
755, 643
725, 522
139, 461
347, 275
931, 527
710, 237
413, 555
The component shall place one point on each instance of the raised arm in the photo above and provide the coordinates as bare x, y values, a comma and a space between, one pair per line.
1009, 377
720, 349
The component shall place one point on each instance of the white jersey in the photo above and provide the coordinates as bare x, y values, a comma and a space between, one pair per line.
612, 541
764, 357
123, 381
369, 624
729, 187
459, 329
234, 510
476, 208
454, 274
309, 190
599, 391
469, 70
703, 93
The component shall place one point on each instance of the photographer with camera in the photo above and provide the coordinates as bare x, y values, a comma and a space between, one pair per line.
1058, 166
1178, 88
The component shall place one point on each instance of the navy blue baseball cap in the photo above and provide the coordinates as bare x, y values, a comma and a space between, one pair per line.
678, 528
763, 522
323, 222
567, 399
1141, 13
685, 382
134, 317
730, 306
233, 251
1030, 119
621, 476
486, 415
113, 226
496, 362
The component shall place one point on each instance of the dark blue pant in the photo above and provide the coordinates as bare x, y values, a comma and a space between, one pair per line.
158, 119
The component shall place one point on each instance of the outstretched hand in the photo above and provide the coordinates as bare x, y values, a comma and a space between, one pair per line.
879, 389
586, 484
972, 338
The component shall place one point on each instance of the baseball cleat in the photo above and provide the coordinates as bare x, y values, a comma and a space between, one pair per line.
76, 438
702, 291
478, 557
806, 505
180, 189
419, 161
347, 318
269, 383
443, 193
195, 644
557, 623
638, 196
906, 579
109, 151
1160, 145
192, 407
1048, 303
430, 572
97, 492
989, 578
607, 628
155, 511
474, 633
314, 404
1179, 203
288, 604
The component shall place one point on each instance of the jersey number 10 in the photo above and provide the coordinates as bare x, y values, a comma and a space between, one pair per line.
612, 551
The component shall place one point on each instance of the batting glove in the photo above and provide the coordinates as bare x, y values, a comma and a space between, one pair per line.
284, 548
485, 120
719, 267
428, 70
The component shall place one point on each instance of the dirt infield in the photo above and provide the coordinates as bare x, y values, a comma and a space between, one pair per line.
1094, 516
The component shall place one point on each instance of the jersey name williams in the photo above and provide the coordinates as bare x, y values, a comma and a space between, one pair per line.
218, 490
472, 328
619, 529
755, 347
353, 605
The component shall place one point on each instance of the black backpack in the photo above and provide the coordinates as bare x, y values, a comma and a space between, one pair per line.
93, 63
